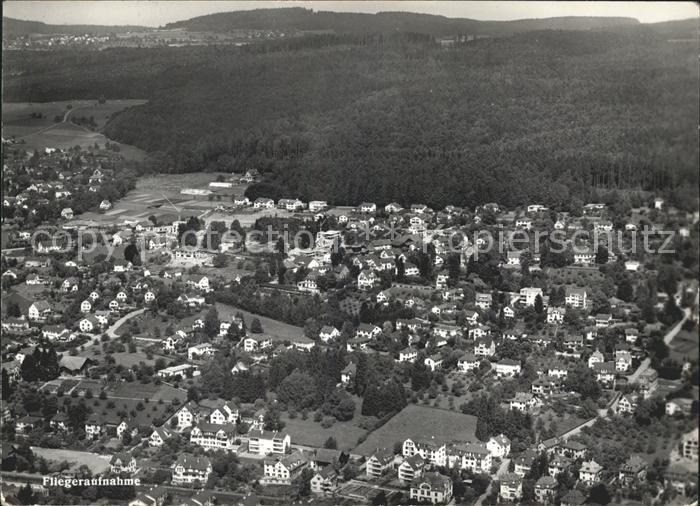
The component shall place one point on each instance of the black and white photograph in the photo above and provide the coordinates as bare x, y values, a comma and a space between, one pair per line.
339, 253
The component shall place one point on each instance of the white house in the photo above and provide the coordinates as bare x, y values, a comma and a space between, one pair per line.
264, 442
499, 446
189, 469
507, 368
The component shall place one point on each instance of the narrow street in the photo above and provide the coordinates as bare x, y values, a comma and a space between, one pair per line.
502, 469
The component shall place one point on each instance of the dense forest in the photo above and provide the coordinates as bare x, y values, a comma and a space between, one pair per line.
298, 18
349, 118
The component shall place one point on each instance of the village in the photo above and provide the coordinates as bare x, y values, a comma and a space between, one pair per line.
377, 353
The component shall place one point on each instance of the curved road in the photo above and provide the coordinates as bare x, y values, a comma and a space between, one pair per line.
111, 330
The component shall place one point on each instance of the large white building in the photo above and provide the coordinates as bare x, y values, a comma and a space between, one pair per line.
265, 442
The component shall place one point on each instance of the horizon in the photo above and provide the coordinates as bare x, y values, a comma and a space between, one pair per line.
158, 13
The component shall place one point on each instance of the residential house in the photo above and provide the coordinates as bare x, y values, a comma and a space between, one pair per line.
590, 472
499, 446
123, 463
189, 470
159, 436
485, 347
265, 442
507, 368
325, 481
545, 490
511, 487
634, 470
468, 362
411, 468
576, 297
380, 462
431, 487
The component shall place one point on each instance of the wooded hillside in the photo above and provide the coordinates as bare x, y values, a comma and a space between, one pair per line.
540, 116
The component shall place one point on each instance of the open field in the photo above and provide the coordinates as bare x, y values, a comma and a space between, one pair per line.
96, 463
128, 360
310, 433
43, 131
18, 120
563, 423
171, 184
420, 423
277, 330
684, 345
140, 391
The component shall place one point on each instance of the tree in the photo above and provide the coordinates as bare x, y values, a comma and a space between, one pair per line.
25, 495
379, 499
7, 389
211, 323
272, 420
256, 326
305, 482
298, 390
582, 380
331, 443
361, 374
625, 290
420, 375
601, 255
598, 494
539, 304
220, 261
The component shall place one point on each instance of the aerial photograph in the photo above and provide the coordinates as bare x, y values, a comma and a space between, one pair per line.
338, 253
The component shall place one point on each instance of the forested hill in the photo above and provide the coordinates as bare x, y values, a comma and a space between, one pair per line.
13, 27
541, 116
297, 18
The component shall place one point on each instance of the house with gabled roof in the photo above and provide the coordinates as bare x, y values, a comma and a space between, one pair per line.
431, 487
188, 470
123, 463
379, 463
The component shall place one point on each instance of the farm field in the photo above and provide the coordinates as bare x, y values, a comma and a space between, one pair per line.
96, 463
277, 330
17, 116
421, 423
43, 131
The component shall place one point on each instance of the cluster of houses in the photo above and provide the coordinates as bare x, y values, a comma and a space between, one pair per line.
450, 313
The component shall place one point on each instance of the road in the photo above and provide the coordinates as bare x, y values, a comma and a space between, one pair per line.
64, 120
502, 469
632, 378
111, 330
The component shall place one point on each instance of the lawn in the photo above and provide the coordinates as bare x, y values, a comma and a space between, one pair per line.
68, 135
97, 463
564, 423
310, 433
580, 276
420, 423
128, 360
140, 391
277, 330
684, 345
